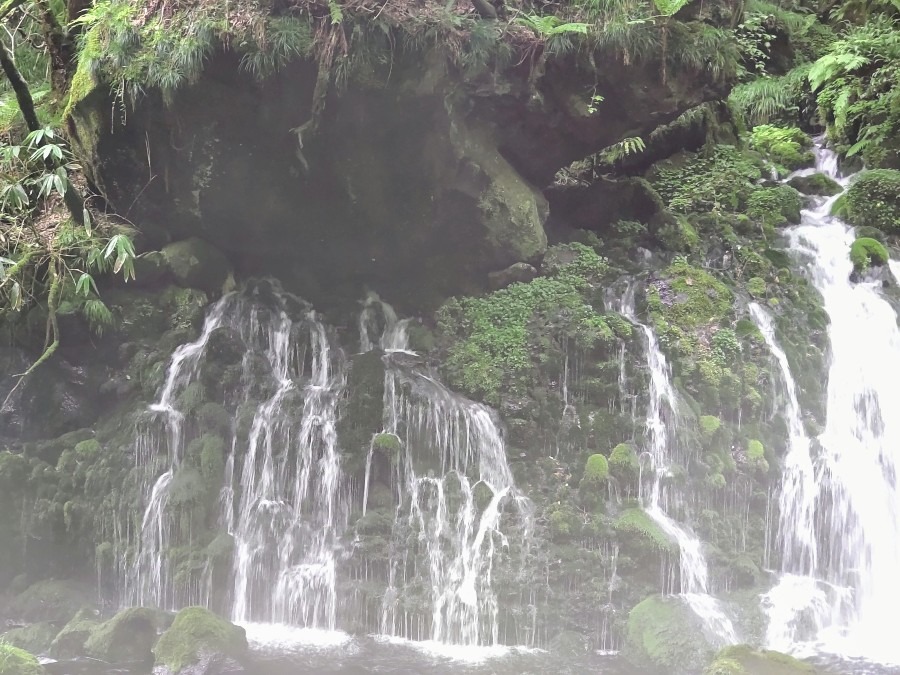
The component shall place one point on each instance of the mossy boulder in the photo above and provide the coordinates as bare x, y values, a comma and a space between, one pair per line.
815, 184
71, 640
596, 470
874, 201
195, 263
623, 462
639, 530
866, 252
52, 600
745, 660
664, 635
15, 661
775, 206
35, 638
196, 634
128, 637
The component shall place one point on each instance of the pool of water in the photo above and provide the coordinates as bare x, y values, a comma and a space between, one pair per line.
291, 651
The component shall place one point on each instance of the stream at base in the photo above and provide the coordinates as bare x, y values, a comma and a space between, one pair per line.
279, 650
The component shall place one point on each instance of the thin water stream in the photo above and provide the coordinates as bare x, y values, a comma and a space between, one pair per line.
692, 581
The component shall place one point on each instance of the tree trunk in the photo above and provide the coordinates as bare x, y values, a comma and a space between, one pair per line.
20, 87
60, 49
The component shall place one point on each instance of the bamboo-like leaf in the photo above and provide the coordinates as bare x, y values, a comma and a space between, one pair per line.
85, 285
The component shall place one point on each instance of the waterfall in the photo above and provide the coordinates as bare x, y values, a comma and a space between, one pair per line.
457, 502
149, 578
658, 498
839, 535
281, 494
284, 501
294, 505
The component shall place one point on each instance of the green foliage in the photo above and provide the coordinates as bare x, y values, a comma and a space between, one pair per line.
874, 200
15, 661
771, 98
551, 25
596, 470
856, 85
787, 148
493, 341
719, 181
194, 630
756, 455
866, 252
133, 51
756, 286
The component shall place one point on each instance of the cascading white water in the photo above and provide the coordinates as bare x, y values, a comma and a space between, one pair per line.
284, 501
657, 499
840, 589
148, 578
293, 503
454, 487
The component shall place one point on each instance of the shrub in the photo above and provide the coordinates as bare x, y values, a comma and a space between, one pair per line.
866, 252
874, 200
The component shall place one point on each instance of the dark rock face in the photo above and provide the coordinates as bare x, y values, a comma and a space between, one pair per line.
420, 174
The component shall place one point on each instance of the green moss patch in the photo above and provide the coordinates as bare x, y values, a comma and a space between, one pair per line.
197, 630
493, 342
866, 252
874, 200
815, 184
596, 470
636, 523
745, 660
623, 462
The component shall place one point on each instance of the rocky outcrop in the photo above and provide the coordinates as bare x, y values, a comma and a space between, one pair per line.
416, 171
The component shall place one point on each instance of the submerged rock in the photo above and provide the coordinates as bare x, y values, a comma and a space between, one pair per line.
815, 184
128, 637
663, 634
200, 643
